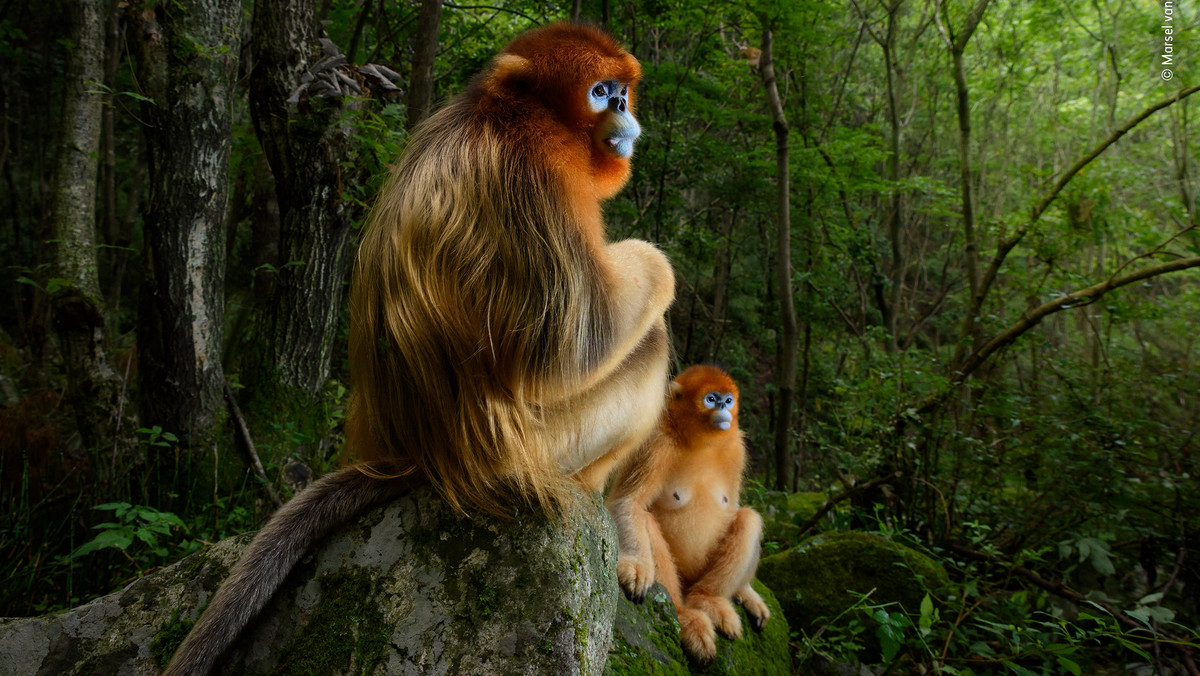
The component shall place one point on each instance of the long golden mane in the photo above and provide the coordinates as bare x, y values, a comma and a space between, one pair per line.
475, 292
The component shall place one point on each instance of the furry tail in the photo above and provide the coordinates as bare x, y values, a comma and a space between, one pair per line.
308, 517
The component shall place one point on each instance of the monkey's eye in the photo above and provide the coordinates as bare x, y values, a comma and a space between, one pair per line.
710, 400
728, 402
599, 90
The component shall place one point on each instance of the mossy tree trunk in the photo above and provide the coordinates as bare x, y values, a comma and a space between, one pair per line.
78, 303
187, 65
313, 150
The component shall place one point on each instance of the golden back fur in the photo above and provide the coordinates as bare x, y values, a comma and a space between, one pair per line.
480, 293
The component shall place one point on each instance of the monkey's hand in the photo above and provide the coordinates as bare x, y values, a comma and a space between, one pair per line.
636, 575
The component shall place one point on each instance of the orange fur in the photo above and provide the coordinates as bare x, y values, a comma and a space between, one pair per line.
677, 514
500, 348
492, 325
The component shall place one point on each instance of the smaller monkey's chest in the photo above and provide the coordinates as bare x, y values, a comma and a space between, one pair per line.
695, 495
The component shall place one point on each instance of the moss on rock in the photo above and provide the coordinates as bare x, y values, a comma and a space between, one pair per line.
646, 641
783, 513
409, 588
822, 577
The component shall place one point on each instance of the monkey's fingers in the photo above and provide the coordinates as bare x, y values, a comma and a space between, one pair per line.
636, 578
697, 634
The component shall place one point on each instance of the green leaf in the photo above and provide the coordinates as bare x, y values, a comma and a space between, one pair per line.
54, 284
1069, 665
116, 538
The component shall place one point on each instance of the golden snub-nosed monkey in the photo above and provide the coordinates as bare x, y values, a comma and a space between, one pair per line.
677, 514
501, 350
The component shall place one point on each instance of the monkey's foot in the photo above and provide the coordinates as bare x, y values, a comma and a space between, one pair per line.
720, 610
697, 634
635, 577
755, 607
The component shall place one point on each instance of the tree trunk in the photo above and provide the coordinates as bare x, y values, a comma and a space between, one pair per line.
313, 151
788, 336
891, 308
187, 65
957, 45
420, 86
721, 282
78, 306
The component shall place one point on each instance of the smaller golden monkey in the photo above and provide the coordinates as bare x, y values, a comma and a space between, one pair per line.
678, 521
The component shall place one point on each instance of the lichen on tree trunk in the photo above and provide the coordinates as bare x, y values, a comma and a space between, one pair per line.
188, 55
314, 154
78, 306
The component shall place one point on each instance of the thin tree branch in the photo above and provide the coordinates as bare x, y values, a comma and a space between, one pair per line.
1034, 317
1058, 588
848, 493
1039, 208
244, 432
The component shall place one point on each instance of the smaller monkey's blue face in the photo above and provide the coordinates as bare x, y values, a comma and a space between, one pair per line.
721, 404
617, 132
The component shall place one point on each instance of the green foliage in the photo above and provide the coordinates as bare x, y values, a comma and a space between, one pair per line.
1071, 453
138, 532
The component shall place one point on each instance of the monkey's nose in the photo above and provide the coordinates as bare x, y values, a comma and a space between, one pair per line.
618, 103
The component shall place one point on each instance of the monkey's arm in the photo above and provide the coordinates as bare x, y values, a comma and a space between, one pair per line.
306, 518
641, 287
636, 488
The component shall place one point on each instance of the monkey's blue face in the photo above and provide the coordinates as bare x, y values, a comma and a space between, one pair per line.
721, 404
618, 130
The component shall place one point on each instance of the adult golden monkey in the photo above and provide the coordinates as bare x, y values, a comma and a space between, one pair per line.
676, 509
500, 349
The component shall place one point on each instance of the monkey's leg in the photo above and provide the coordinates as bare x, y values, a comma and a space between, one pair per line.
696, 631
755, 607
730, 568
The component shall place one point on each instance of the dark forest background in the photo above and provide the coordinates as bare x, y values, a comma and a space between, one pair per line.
947, 247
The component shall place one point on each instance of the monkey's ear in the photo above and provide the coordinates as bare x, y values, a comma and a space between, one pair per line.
508, 70
676, 390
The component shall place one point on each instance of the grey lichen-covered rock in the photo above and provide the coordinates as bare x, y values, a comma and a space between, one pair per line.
646, 641
407, 589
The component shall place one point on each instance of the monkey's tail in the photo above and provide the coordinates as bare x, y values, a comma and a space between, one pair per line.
306, 518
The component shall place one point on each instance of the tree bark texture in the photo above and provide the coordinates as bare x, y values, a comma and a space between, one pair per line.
891, 308
78, 306
313, 151
956, 44
420, 89
187, 64
789, 335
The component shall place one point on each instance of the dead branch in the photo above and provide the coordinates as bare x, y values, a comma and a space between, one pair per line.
850, 492
244, 432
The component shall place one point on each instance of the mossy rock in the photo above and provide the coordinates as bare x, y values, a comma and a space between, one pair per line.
409, 588
819, 579
646, 641
783, 513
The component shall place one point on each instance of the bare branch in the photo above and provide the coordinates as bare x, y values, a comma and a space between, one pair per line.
244, 432
1034, 317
